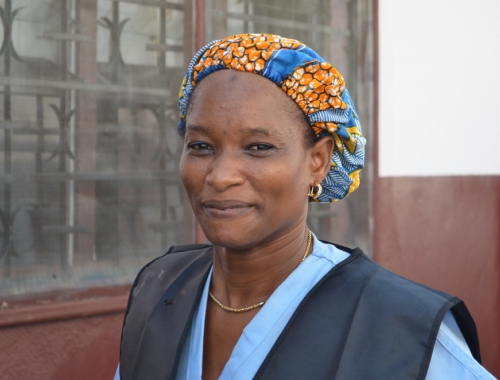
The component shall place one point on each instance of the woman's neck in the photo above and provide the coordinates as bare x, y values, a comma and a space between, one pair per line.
241, 278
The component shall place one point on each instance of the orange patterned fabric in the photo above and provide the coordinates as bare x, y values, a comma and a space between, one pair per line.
316, 87
245, 52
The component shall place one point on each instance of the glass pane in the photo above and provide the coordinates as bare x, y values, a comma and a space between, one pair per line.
340, 31
89, 187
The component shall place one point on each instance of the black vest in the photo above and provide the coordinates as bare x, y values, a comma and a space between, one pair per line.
359, 322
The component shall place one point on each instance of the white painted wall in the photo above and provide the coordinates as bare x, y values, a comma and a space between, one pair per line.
439, 97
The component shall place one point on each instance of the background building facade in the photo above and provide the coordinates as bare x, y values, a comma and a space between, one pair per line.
89, 188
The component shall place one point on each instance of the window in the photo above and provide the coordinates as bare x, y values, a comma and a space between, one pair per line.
89, 188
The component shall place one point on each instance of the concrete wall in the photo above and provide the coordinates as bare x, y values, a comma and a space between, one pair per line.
437, 186
439, 86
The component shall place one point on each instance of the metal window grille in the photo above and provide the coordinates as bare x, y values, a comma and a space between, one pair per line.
89, 187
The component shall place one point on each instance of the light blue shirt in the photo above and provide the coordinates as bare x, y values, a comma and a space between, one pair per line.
451, 358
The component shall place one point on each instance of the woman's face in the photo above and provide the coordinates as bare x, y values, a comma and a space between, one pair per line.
245, 165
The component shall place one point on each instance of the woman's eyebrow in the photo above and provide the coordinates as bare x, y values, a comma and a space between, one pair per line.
197, 128
243, 131
255, 131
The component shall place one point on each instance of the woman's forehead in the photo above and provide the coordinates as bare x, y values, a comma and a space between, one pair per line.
244, 100
232, 94
238, 82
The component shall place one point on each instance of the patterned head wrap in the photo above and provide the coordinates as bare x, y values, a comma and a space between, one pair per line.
315, 85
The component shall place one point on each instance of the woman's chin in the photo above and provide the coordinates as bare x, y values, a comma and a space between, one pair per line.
231, 238
232, 232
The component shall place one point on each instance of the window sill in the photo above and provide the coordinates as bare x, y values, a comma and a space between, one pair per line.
58, 307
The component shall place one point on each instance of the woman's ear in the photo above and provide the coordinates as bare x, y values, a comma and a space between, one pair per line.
321, 157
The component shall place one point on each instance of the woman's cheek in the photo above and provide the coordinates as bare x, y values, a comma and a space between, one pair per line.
188, 172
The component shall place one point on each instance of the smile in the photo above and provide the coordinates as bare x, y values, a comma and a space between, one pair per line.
226, 209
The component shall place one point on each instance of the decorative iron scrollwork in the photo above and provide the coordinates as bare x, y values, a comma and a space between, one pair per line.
8, 22
63, 146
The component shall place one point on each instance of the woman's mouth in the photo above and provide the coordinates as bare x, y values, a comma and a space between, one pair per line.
227, 209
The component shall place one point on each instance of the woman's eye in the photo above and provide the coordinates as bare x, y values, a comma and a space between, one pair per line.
199, 146
258, 147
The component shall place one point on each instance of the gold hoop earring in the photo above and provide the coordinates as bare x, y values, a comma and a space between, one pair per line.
315, 191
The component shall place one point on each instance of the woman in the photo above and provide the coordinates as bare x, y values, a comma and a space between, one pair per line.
267, 126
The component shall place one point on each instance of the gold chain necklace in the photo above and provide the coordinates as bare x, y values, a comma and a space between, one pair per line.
242, 310
260, 304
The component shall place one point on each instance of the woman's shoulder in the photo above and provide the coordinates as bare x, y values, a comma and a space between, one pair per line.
374, 277
162, 298
177, 257
174, 266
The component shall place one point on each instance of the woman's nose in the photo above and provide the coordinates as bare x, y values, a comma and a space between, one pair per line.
226, 171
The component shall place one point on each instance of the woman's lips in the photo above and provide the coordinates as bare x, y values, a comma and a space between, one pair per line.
225, 209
